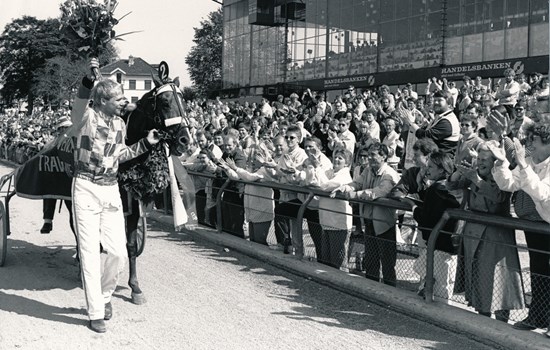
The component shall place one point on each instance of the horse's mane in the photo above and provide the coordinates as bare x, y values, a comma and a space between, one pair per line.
140, 120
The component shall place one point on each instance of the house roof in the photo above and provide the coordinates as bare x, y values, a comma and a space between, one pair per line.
140, 67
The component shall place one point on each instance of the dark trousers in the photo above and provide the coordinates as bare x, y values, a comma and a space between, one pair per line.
258, 231
356, 218
279, 221
205, 216
380, 250
233, 213
331, 248
287, 211
539, 263
48, 210
200, 203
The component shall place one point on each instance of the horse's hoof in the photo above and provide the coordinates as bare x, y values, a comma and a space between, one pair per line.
138, 298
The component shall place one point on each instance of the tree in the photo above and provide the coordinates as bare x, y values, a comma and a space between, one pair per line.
57, 79
25, 45
204, 60
60, 77
189, 93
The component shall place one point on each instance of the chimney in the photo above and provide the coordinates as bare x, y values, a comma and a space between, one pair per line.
130, 60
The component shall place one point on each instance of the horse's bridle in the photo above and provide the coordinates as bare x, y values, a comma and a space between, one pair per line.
169, 87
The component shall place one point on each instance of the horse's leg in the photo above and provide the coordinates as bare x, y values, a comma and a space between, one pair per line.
138, 297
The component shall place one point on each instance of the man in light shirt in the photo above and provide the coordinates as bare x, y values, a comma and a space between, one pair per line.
508, 94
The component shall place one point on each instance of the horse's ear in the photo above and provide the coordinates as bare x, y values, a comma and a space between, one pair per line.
156, 81
177, 81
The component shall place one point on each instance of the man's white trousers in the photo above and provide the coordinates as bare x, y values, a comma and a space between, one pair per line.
99, 219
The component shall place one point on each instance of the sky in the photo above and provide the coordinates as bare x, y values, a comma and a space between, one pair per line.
166, 25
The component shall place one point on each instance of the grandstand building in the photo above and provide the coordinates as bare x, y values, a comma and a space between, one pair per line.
278, 46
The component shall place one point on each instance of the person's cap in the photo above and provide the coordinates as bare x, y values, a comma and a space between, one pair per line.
63, 121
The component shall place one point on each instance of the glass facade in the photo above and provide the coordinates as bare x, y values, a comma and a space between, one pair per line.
487, 30
342, 38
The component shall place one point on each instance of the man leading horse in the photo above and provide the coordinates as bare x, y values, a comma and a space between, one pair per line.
96, 145
97, 206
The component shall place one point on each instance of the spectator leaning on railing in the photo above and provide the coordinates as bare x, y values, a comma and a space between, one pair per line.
289, 203
376, 181
307, 174
530, 181
436, 200
258, 200
334, 214
493, 281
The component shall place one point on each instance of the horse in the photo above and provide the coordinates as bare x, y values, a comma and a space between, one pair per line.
162, 108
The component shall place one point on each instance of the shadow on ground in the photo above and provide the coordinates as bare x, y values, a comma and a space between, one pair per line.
319, 303
39, 268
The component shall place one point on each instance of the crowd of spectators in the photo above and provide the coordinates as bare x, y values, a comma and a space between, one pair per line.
442, 147
472, 147
24, 134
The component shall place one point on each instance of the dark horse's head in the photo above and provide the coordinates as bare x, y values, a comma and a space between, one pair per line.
163, 109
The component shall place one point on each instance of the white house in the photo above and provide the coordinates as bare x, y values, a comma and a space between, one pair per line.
133, 73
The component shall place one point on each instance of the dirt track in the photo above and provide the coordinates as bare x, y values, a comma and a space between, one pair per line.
199, 297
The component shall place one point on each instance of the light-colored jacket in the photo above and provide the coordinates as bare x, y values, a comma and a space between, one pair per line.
533, 180
379, 185
258, 201
335, 214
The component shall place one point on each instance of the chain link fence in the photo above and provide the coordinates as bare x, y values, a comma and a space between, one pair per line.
486, 273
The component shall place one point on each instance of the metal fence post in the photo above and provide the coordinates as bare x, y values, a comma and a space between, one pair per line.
429, 287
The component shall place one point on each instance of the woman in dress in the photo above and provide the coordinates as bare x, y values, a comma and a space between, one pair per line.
492, 271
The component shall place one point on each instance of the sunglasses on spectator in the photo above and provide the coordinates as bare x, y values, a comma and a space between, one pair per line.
465, 124
290, 137
342, 124
519, 109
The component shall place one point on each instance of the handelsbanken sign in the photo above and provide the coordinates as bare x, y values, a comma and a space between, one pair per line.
490, 69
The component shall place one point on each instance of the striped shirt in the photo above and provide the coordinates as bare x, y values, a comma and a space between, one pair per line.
100, 148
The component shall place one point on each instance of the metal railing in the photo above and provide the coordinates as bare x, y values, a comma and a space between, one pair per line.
479, 218
431, 262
